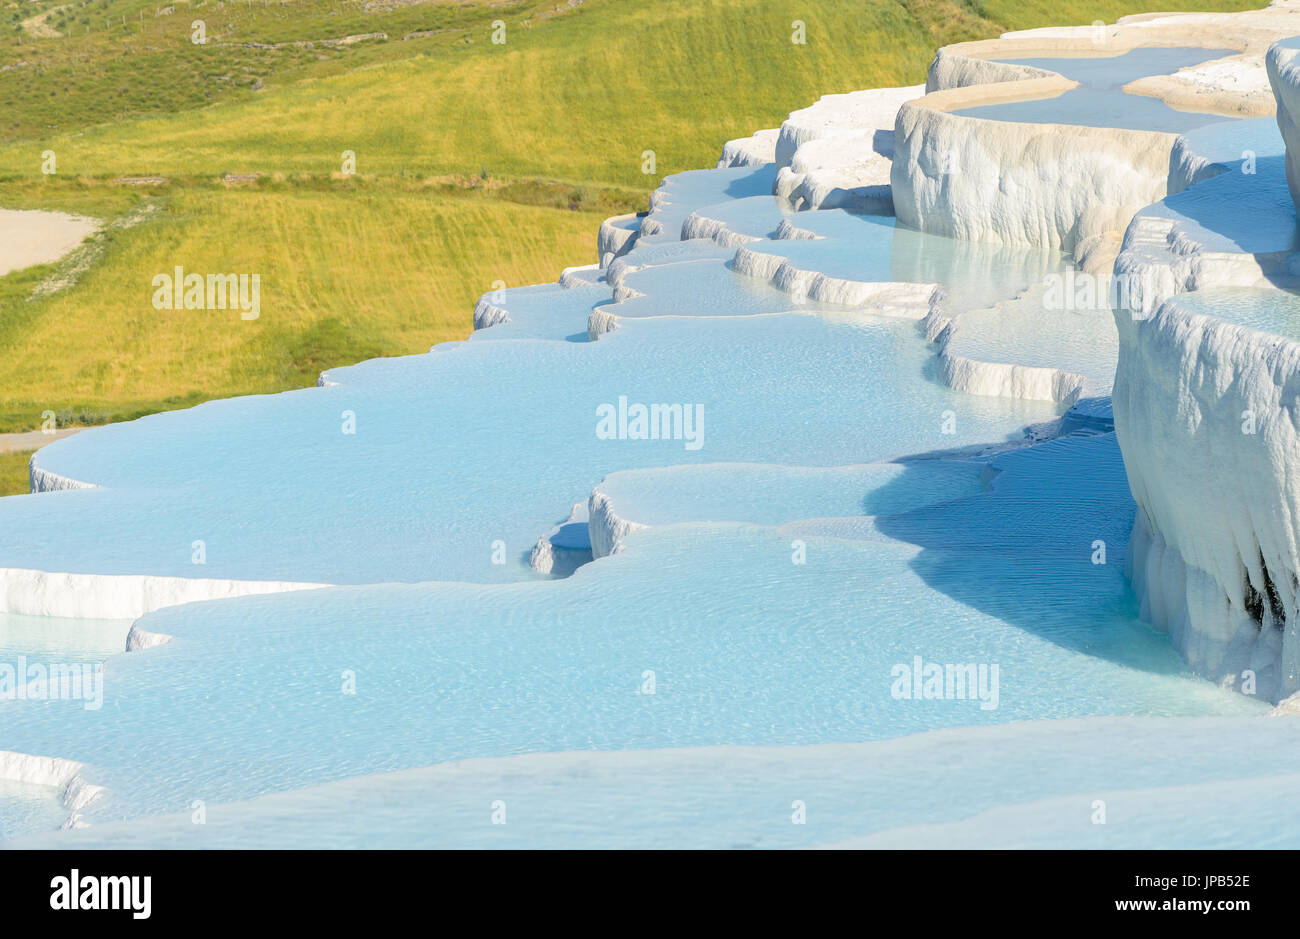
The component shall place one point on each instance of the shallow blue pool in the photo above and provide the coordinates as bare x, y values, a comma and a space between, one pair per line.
1100, 99
1267, 309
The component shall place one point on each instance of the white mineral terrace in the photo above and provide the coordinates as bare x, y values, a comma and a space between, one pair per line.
982, 391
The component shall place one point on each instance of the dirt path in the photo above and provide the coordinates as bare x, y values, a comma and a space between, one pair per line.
32, 439
31, 237
39, 25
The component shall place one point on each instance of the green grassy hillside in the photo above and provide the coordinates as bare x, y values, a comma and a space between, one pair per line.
13, 473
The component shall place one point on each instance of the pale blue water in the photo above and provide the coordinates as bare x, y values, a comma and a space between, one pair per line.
26, 809
649, 251
701, 288
46, 641
772, 495
746, 646
879, 249
483, 419
491, 441
1013, 785
683, 193
548, 311
1100, 100
58, 639
1229, 143
788, 574
1247, 207
1269, 310
753, 216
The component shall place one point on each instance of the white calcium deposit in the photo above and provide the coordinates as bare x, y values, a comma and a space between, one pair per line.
837, 153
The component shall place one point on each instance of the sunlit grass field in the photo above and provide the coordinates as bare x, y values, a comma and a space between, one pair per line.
475, 162
577, 96
13, 472
390, 269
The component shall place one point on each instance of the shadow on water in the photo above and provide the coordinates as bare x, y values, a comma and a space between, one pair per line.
761, 182
1043, 549
1247, 209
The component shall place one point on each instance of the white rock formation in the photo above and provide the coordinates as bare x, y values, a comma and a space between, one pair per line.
982, 352
1213, 555
891, 298
616, 237
1159, 260
118, 596
1054, 185
1284, 76
66, 776
698, 225
1061, 185
488, 314
600, 321
581, 275
846, 117
754, 150
607, 529
44, 480
548, 557
837, 153
1203, 412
